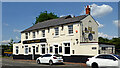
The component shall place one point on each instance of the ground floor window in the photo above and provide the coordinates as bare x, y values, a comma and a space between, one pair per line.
51, 49
73, 51
26, 49
17, 50
60, 49
67, 48
29, 49
43, 48
36, 49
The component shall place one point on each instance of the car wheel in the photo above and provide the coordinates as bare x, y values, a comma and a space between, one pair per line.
38, 61
50, 62
95, 65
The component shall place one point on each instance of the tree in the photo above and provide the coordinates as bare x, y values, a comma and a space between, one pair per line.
45, 16
11, 45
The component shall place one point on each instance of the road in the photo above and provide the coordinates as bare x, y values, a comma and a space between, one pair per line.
10, 63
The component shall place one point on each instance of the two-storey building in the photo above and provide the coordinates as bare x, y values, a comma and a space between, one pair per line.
68, 36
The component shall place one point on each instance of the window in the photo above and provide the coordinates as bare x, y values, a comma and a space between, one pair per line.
29, 33
67, 48
29, 49
70, 29
43, 48
101, 56
62, 27
26, 35
48, 30
33, 34
16, 49
26, 49
37, 31
104, 48
43, 33
56, 31
36, 49
73, 51
51, 49
94, 48
47, 55
60, 49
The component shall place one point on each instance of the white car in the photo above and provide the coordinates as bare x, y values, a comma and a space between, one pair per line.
50, 58
104, 60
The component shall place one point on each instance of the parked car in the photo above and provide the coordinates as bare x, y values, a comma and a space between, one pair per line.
103, 60
50, 58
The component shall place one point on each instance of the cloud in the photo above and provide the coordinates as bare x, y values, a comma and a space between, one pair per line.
17, 38
101, 10
100, 25
5, 41
16, 30
5, 24
101, 34
116, 23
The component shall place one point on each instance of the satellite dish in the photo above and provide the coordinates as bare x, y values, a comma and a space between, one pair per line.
90, 36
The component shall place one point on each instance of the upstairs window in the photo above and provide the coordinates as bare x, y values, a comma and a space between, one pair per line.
33, 34
56, 31
43, 33
70, 29
26, 35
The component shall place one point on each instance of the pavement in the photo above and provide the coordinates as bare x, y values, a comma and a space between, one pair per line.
10, 63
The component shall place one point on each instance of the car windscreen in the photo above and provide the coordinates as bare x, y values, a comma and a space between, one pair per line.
117, 56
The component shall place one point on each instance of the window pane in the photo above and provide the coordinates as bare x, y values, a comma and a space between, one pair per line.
26, 35
60, 49
56, 31
36, 49
33, 34
43, 33
50, 49
70, 29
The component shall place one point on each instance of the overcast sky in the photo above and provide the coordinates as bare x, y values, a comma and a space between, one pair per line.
17, 16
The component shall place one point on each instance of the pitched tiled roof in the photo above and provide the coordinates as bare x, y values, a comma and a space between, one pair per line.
55, 22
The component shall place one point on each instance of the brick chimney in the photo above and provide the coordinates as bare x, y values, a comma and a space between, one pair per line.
88, 10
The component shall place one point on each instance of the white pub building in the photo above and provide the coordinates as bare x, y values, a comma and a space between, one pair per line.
75, 38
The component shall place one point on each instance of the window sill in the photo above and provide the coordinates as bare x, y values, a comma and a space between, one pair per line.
70, 34
56, 36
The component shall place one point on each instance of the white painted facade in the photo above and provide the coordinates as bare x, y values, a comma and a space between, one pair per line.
63, 40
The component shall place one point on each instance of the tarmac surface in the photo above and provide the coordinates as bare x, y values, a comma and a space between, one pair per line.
10, 63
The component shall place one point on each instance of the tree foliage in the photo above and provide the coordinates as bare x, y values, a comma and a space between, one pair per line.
45, 16
115, 41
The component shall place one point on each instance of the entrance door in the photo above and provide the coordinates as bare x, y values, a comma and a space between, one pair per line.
43, 50
56, 50
33, 56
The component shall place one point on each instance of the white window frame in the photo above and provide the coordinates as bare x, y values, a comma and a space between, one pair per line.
26, 35
26, 52
43, 33
70, 29
17, 48
56, 31
33, 34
